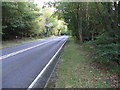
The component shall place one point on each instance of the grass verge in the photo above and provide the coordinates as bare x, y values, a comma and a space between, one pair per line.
11, 43
79, 71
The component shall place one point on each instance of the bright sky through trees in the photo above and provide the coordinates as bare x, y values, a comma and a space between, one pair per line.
40, 3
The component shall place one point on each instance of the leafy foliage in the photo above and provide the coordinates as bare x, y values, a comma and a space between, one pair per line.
97, 22
18, 19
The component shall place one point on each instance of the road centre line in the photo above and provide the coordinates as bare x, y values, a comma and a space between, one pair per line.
39, 75
23, 50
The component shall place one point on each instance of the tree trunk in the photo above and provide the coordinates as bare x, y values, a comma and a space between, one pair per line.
80, 30
79, 22
92, 37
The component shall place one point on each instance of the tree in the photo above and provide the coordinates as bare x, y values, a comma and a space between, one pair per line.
19, 19
96, 21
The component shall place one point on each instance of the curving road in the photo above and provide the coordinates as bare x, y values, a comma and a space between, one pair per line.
22, 64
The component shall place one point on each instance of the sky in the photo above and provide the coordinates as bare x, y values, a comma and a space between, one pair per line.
40, 3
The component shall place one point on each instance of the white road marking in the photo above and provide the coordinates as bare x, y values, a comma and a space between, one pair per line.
39, 75
23, 50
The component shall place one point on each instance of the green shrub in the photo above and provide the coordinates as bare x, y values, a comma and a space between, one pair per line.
107, 49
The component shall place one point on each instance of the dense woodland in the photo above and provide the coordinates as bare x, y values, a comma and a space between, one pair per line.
25, 19
95, 23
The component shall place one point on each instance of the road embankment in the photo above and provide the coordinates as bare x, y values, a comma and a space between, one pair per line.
77, 69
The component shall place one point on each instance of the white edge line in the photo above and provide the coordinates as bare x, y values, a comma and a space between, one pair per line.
51, 74
23, 50
39, 75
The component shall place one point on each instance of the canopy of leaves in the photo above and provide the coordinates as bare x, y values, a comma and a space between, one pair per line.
98, 22
25, 19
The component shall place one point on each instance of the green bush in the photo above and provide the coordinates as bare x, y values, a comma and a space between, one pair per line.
107, 49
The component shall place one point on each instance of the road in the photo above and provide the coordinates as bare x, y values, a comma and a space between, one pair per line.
20, 68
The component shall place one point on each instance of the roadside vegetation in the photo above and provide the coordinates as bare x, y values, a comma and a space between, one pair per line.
97, 23
24, 21
95, 26
79, 70
94, 61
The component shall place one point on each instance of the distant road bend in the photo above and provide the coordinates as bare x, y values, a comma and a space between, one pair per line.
23, 65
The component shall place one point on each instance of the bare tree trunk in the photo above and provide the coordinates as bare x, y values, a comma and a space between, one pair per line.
87, 17
79, 23
92, 35
80, 30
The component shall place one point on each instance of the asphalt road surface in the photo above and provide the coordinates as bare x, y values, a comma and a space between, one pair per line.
22, 64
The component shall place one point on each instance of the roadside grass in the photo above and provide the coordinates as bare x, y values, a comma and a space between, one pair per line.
78, 70
11, 43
